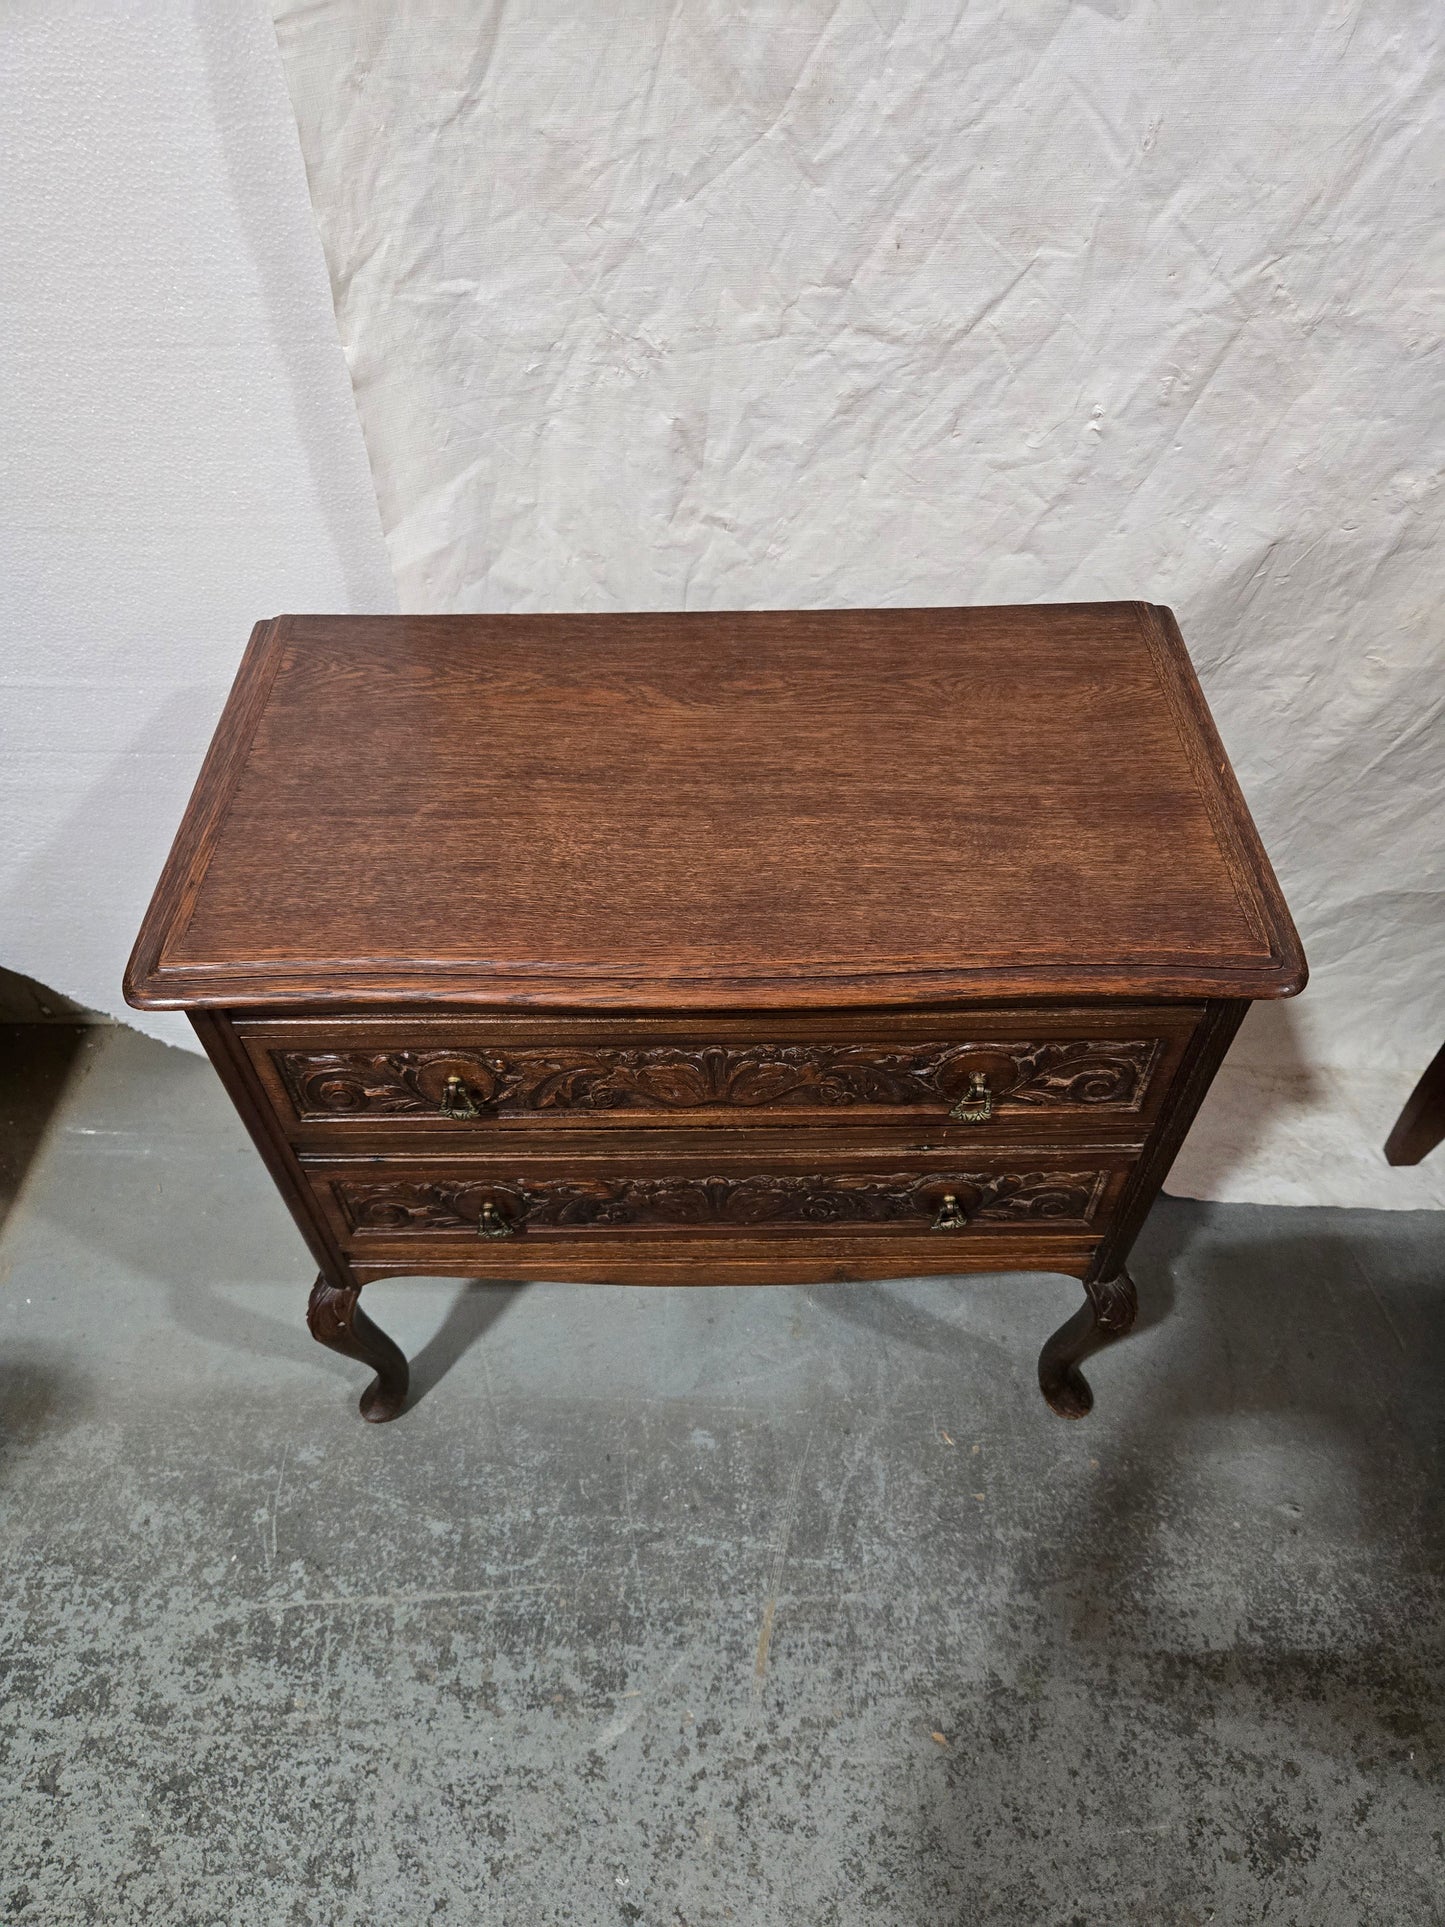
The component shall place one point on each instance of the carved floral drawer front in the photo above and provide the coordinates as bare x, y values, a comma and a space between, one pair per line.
512, 1200
1013, 1076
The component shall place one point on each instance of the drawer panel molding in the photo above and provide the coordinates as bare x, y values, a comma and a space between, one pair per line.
1092, 1075
944, 1200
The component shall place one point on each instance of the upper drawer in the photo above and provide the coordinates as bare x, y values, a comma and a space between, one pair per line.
1022, 1071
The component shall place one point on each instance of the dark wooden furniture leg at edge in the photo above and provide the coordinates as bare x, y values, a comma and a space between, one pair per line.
1420, 1127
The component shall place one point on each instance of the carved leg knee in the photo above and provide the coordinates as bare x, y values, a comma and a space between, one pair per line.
337, 1320
1108, 1311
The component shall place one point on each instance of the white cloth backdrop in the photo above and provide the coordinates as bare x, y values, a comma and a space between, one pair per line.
179, 451
828, 302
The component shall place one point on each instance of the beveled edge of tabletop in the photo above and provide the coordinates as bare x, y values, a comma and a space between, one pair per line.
361, 983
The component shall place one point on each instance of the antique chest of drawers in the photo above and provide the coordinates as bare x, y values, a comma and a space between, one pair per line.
717, 948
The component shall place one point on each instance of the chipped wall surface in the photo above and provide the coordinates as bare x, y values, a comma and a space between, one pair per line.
809, 304
178, 445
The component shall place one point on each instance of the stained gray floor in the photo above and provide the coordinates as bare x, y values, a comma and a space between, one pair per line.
688, 1608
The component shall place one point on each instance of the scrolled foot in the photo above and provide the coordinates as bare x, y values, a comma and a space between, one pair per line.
336, 1320
1108, 1311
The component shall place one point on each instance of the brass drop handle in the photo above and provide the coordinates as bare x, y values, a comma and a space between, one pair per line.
951, 1216
492, 1224
976, 1104
457, 1100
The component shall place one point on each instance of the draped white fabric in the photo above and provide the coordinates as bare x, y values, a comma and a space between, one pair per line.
828, 302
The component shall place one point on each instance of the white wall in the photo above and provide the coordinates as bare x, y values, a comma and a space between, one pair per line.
179, 450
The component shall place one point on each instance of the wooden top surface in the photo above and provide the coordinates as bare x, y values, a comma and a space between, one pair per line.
882, 807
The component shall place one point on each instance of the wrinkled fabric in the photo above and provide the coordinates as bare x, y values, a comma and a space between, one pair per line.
869, 302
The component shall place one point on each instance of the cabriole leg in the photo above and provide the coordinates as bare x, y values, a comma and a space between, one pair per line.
337, 1320
1107, 1313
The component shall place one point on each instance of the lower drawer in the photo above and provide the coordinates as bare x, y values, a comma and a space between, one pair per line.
380, 1206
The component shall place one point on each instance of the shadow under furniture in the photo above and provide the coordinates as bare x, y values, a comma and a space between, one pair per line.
42, 1041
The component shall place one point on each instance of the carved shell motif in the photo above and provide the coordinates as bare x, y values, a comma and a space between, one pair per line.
404, 1083
596, 1203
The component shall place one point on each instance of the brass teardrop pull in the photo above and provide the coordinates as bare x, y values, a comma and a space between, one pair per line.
492, 1224
457, 1100
950, 1214
976, 1104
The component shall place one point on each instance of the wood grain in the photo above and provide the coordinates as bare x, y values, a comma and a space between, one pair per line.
731, 1261
719, 810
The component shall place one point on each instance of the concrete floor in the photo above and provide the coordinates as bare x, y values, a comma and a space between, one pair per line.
683, 1608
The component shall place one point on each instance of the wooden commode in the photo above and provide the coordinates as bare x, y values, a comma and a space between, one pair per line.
717, 949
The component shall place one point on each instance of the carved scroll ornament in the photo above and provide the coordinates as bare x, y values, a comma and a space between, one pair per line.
909, 1198
1062, 1074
